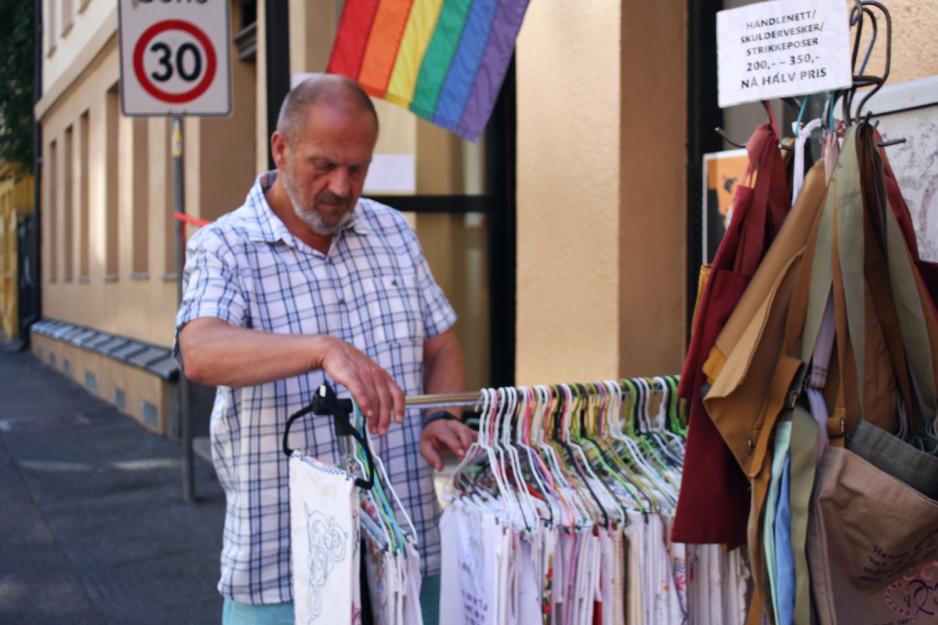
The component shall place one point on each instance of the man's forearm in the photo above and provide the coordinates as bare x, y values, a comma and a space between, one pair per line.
216, 353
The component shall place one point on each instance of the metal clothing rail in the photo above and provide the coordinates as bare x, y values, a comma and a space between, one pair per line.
444, 400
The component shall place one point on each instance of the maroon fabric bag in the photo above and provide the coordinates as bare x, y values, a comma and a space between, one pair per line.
714, 501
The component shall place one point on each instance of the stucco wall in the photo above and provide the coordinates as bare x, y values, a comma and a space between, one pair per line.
653, 188
914, 44
568, 191
600, 190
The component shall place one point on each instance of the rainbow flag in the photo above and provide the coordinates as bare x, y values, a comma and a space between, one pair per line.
445, 60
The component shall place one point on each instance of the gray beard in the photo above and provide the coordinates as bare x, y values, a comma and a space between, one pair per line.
312, 218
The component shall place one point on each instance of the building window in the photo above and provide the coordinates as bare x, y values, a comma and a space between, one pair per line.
51, 32
139, 210
52, 204
68, 16
68, 222
84, 256
112, 114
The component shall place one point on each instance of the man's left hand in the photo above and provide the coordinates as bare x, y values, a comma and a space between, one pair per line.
444, 435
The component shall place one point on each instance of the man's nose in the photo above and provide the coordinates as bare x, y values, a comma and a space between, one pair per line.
340, 182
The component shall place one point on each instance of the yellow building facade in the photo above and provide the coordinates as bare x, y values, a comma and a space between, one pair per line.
16, 202
599, 190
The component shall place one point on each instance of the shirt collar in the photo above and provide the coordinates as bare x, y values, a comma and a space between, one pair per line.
271, 229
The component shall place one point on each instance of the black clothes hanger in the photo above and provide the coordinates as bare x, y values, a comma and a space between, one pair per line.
324, 403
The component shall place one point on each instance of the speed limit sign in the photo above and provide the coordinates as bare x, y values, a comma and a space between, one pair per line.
175, 57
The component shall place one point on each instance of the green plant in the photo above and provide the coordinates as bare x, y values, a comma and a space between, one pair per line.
17, 33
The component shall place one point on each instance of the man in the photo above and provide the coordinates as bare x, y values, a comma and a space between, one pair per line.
307, 281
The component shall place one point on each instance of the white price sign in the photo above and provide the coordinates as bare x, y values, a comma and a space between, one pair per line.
175, 57
782, 48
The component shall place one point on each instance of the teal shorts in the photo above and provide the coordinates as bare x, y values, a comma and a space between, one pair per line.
235, 613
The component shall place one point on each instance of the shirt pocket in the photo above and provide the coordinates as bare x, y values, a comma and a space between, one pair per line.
392, 303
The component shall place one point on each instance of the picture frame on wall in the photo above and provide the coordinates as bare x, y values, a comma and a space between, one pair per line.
722, 171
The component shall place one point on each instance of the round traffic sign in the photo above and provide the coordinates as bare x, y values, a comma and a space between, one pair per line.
185, 60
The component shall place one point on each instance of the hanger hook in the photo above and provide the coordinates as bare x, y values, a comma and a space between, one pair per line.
878, 82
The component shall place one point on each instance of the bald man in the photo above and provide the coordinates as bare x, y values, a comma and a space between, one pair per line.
306, 282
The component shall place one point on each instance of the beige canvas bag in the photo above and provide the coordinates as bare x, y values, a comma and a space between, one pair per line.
873, 545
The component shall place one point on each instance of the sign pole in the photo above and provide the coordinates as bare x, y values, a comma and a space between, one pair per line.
185, 409
175, 60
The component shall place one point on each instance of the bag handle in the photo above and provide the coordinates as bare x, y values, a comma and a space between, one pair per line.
325, 402
849, 257
912, 320
769, 205
877, 273
903, 280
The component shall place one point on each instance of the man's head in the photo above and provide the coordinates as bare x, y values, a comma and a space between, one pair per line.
325, 136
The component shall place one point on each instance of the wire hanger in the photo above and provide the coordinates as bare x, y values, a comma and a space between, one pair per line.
542, 482
861, 9
562, 475
377, 494
861, 12
509, 401
773, 122
613, 512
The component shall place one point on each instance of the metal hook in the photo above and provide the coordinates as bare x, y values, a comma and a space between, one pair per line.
771, 119
727, 138
869, 48
878, 82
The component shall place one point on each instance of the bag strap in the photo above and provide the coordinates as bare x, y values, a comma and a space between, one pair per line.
875, 267
849, 245
915, 323
769, 204
912, 318
803, 465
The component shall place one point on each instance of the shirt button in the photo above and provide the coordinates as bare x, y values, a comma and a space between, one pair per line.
342, 301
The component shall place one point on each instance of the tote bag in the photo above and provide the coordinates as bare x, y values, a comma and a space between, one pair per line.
324, 535
873, 527
873, 545
714, 499
324, 523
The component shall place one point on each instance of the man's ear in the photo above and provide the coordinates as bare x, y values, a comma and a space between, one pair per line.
278, 148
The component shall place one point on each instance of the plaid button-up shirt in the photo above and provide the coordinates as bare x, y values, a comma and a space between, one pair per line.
372, 289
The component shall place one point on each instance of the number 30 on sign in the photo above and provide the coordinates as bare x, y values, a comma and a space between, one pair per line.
175, 57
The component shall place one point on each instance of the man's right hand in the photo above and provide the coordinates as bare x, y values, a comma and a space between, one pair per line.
378, 396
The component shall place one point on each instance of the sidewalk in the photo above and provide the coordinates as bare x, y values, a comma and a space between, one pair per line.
93, 529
